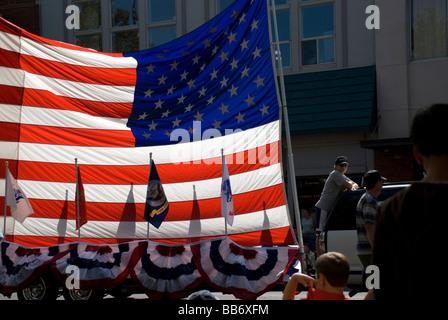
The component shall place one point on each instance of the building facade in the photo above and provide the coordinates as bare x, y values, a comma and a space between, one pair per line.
351, 90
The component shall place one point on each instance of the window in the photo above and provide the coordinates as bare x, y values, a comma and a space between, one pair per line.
124, 17
161, 10
284, 30
125, 41
308, 37
161, 22
125, 25
161, 35
317, 33
306, 28
89, 34
223, 4
429, 36
124, 13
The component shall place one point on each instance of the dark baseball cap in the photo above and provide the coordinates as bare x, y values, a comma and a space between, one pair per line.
341, 160
373, 176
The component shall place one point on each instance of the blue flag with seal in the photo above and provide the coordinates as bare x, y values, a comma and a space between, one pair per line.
157, 206
227, 209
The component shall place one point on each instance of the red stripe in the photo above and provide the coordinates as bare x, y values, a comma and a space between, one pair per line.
9, 131
2, 204
76, 137
211, 168
281, 236
138, 175
60, 172
11, 95
9, 59
12, 165
93, 75
179, 211
46, 99
8, 27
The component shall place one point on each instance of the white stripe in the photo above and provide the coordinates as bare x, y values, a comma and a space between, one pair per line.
9, 150
9, 42
181, 152
10, 113
59, 118
66, 88
64, 55
70, 119
12, 77
75, 57
176, 192
78, 90
250, 222
10, 221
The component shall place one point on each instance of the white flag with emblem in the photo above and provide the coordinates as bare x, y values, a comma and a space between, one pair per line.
16, 199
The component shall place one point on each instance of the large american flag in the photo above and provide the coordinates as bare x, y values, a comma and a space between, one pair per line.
184, 101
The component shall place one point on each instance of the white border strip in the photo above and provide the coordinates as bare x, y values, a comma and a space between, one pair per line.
251, 222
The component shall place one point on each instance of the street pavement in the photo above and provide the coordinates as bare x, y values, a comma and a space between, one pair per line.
271, 295
277, 295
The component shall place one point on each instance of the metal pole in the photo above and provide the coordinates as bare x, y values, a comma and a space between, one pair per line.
6, 196
147, 226
222, 171
77, 200
292, 175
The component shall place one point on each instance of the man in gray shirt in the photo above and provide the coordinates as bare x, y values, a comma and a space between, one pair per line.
335, 184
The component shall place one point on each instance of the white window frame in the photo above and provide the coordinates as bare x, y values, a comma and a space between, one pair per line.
328, 65
143, 25
296, 32
410, 44
72, 34
280, 8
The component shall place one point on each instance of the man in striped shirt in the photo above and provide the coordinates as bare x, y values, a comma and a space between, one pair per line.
365, 215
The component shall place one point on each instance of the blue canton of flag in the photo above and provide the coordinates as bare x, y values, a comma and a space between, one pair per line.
157, 206
215, 78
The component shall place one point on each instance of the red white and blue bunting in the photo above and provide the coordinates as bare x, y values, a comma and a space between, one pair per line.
20, 266
99, 266
246, 273
161, 270
166, 271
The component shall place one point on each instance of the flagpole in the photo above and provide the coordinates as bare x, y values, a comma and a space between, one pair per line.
77, 200
292, 175
147, 226
6, 196
222, 170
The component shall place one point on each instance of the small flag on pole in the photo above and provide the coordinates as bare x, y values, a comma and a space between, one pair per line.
157, 205
81, 208
16, 199
227, 210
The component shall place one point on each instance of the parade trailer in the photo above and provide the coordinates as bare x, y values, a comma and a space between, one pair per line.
82, 132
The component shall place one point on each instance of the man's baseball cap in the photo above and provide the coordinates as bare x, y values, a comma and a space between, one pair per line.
341, 160
373, 176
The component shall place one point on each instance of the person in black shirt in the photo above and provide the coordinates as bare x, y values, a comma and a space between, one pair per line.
410, 226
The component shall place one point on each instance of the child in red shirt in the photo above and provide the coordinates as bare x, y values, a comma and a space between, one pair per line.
332, 271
